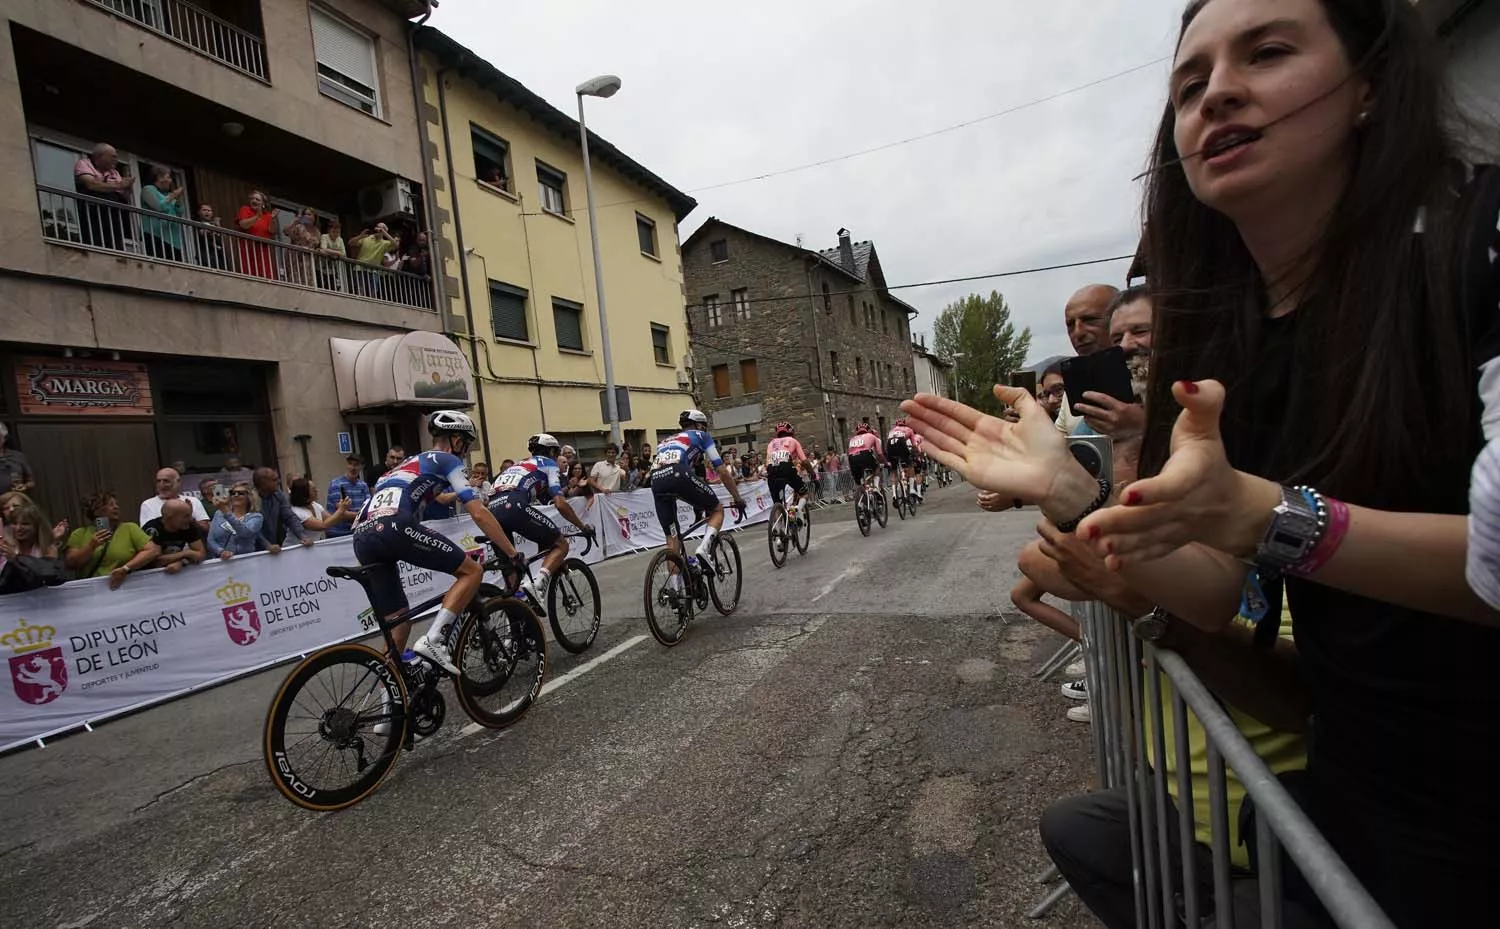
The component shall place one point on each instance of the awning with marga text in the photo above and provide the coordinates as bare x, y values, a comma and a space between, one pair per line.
421, 369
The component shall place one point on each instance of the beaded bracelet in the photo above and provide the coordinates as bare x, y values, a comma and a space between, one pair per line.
1333, 525
1099, 501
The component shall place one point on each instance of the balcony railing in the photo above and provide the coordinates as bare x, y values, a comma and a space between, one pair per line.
108, 226
197, 29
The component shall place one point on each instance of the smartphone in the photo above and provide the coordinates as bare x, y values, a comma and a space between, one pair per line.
343, 493
101, 524
221, 493
1103, 372
1026, 380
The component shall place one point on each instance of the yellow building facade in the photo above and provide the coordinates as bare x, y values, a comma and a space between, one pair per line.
510, 206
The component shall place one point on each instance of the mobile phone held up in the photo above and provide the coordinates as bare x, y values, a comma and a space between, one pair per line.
1102, 372
221, 493
1026, 380
101, 524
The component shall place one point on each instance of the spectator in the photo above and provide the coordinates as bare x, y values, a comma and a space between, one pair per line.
1130, 327
350, 491
370, 248
236, 526
493, 175
1086, 315
163, 236
178, 537
317, 521
278, 521
648, 451
1050, 391
578, 482
168, 485
256, 218
105, 547
643, 465
209, 240
98, 175
15, 470
206, 488
330, 251
419, 259
394, 456
566, 459
235, 472
479, 479
505, 465
626, 461
28, 533
606, 476
303, 234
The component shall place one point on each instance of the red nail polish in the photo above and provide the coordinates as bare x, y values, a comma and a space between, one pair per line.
1109, 548
1132, 497
1093, 533
1190, 386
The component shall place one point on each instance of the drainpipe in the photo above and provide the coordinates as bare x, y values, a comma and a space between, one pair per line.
458, 232
818, 356
428, 194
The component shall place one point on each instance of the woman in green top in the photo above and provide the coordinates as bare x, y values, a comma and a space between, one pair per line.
162, 195
106, 547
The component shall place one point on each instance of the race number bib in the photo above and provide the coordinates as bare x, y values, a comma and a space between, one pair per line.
780, 456
387, 500
510, 480
668, 456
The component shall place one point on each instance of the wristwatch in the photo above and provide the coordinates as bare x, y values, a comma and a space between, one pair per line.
1297, 522
1153, 626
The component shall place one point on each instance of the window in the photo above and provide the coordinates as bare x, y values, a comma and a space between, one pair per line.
833, 365
740, 300
885, 320
715, 317
906, 380
850, 298
718, 250
875, 373
827, 300
567, 317
843, 431
721, 380
645, 230
491, 158
552, 186
346, 62
749, 376
661, 345
508, 312
859, 370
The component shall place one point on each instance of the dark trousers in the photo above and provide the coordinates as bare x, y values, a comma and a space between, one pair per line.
1088, 838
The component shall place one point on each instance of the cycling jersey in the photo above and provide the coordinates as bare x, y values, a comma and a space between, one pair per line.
901, 434
529, 478
784, 450
898, 445
864, 442
683, 451
407, 489
674, 475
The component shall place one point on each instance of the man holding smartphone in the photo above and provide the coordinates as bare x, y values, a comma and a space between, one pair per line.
1086, 316
1129, 325
349, 486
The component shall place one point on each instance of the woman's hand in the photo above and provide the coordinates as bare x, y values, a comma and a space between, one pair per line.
1197, 497
1027, 460
100, 538
225, 555
60, 532
117, 577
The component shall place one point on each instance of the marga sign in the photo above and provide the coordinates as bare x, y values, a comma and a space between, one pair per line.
83, 386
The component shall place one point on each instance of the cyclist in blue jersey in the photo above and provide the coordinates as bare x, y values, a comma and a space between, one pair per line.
515, 490
673, 477
389, 530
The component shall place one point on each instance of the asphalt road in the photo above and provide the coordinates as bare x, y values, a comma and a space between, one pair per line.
860, 745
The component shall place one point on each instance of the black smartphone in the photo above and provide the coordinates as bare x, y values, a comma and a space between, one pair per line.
343, 493
1025, 380
1104, 372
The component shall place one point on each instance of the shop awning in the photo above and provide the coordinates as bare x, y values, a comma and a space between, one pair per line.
423, 369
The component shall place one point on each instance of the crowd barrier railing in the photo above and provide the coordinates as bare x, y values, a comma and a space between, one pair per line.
1128, 727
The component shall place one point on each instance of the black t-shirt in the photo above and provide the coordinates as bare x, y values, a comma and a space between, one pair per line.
1406, 711
173, 542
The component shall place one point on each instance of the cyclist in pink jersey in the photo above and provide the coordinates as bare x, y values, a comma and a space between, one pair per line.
919, 464
866, 454
783, 456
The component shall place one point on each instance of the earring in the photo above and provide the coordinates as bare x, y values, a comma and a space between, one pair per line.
1362, 118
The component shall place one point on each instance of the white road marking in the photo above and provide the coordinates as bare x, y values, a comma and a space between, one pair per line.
841, 576
577, 672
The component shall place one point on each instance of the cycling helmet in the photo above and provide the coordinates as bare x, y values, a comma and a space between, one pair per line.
452, 422
863, 427
544, 444
692, 419
785, 428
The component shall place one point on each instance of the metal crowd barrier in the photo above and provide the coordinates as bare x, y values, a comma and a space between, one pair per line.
1127, 711
107, 225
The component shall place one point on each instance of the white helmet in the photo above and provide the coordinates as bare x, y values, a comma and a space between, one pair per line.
543, 443
452, 422
692, 418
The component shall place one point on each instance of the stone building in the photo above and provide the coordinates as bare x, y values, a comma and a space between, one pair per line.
781, 332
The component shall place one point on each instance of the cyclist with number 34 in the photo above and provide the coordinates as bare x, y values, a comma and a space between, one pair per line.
672, 477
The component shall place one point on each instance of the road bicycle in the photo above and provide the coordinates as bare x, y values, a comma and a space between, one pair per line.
942, 474
342, 717
575, 617
869, 504
905, 499
783, 531
669, 609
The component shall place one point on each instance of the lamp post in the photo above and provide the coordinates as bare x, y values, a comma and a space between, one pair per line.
957, 386
603, 86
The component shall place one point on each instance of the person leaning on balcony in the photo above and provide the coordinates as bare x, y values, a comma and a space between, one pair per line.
330, 251
256, 218
303, 234
236, 526
370, 248
97, 175
209, 242
106, 547
162, 195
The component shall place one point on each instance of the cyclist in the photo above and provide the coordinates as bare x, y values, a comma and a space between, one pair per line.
899, 444
515, 490
389, 530
865, 455
919, 464
673, 477
783, 456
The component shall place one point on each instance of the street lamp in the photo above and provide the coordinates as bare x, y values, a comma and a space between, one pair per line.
605, 85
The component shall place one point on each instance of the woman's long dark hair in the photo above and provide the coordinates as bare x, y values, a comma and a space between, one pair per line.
1381, 402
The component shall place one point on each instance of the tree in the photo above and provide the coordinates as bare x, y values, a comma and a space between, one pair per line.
979, 331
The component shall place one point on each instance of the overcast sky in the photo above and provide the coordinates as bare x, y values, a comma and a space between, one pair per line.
714, 93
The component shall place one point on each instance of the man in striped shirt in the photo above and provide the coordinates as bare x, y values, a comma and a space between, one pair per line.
349, 485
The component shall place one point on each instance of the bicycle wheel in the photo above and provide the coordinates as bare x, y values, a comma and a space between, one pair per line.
776, 535
882, 511
321, 747
726, 574
502, 661
573, 606
900, 501
802, 532
668, 609
862, 513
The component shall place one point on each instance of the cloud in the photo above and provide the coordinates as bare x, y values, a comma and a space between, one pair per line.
719, 92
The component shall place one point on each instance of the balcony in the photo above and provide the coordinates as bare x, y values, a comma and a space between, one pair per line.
70, 218
197, 29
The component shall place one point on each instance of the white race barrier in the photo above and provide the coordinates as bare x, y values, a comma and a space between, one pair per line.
80, 653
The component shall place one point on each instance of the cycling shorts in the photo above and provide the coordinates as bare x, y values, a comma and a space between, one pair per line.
381, 543
668, 485
526, 521
898, 452
862, 463
919, 464
782, 476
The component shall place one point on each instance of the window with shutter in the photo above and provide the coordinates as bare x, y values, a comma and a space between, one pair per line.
721, 380
508, 312
718, 250
567, 317
552, 185
491, 158
346, 62
715, 317
645, 231
749, 376
741, 300
661, 345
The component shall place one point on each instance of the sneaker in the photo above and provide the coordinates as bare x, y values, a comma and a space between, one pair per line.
1076, 669
1080, 713
437, 653
1076, 690
384, 726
